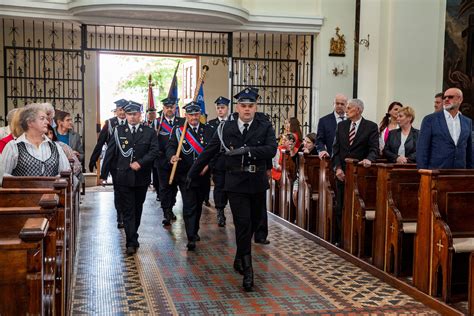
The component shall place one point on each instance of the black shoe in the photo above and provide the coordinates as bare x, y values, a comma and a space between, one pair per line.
207, 203
220, 218
191, 245
120, 225
131, 251
238, 265
262, 241
167, 217
197, 238
247, 282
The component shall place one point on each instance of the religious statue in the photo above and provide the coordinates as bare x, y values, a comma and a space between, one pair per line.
338, 45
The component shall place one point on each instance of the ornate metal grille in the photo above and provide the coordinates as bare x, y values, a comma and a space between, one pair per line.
280, 65
43, 62
154, 40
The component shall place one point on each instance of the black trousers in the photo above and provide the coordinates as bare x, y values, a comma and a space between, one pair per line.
247, 210
117, 205
220, 196
132, 198
261, 233
167, 191
193, 198
155, 179
338, 211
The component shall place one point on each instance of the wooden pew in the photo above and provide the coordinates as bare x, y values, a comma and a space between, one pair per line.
288, 176
453, 236
308, 192
359, 206
23, 268
68, 203
15, 209
379, 247
470, 304
327, 200
401, 220
433, 186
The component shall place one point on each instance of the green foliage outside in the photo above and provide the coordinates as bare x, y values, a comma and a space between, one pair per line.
161, 70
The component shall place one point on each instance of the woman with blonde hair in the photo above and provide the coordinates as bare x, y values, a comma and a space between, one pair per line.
401, 142
15, 129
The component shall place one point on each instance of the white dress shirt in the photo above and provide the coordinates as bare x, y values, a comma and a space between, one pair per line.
241, 123
454, 125
9, 156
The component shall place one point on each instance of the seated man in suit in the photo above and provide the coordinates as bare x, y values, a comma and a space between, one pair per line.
356, 138
445, 140
327, 126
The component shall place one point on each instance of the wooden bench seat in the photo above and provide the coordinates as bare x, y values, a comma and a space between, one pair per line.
308, 192
327, 200
444, 214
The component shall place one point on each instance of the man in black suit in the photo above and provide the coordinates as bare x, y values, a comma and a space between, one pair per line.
355, 138
249, 143
327, 126
196, 138
217, 164
131, 152
104, 137
167, 191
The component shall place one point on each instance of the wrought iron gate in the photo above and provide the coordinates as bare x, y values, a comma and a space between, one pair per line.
281, 67
44, 62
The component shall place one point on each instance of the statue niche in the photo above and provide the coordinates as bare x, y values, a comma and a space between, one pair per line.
338, 45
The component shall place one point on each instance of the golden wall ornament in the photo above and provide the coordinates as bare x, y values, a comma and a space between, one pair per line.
338, 45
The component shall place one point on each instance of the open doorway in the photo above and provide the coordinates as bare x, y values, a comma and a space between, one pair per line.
124, 76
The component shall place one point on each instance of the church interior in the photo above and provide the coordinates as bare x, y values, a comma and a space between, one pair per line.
407, 244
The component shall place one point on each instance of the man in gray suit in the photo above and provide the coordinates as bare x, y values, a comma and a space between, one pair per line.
65, 133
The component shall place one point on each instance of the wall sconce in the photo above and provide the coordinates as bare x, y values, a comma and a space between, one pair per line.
364, 42
338, 70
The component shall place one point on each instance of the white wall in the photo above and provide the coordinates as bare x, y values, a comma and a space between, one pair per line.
337, 13
405, 59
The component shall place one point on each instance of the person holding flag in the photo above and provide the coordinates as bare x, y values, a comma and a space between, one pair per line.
169, 118
196, 137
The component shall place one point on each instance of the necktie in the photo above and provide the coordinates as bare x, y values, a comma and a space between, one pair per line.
352, 133
171, 123
341, 118
133, 129
122, 122
195, 130
246, 129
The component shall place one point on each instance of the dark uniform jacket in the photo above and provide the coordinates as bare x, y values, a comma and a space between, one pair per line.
218, 162
104, 136
244, 173
163, 137
188, 154
141, 147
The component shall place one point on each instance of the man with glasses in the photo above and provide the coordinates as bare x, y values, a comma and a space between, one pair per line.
445, 140
327, 126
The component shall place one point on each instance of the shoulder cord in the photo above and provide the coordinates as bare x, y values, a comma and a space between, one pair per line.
127, 153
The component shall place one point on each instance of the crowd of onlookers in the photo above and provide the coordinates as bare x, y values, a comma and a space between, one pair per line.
40, 141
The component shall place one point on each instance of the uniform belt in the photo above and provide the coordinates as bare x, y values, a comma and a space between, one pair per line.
249, 168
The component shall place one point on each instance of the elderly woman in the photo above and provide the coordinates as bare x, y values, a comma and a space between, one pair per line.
34, 154
401, 142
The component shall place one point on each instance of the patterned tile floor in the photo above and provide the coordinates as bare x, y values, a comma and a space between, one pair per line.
293, 275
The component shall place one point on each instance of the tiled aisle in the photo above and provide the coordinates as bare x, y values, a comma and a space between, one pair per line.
293, 275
